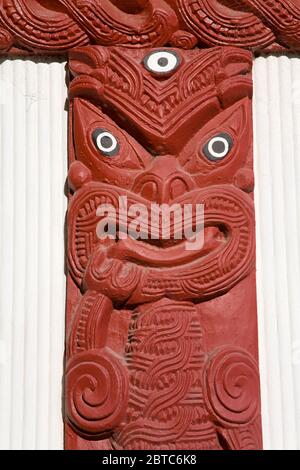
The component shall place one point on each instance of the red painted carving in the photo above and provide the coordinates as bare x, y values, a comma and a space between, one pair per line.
162, 342
56, 26
254, 24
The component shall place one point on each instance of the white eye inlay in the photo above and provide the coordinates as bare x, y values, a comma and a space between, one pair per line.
221, 145
162, 61
218, 147
106, 142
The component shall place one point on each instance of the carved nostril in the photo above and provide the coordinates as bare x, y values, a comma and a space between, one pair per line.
149, 190
177, 187
164, 181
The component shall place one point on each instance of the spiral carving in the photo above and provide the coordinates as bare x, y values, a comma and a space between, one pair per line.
96, 395
231, 386
183, 40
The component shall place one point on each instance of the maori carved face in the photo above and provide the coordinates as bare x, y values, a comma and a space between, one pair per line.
162, 127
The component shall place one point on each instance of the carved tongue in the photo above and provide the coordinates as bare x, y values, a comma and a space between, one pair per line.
140, 252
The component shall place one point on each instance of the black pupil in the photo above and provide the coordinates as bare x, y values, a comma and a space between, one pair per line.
106, 142
218, 146
163, 62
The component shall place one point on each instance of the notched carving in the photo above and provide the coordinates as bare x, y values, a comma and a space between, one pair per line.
254, 24
40, 26
57, 26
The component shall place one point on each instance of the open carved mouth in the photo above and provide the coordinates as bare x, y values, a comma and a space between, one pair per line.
223, 255
171, 252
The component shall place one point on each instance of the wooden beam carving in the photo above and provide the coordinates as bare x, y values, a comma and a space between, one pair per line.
56, 26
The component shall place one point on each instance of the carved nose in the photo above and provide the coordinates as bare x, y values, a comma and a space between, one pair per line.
163, 182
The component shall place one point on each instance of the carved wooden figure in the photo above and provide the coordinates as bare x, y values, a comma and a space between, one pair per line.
162, 339
162, 344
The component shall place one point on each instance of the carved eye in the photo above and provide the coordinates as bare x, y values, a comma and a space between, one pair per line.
218, 147
162, 61
106, 142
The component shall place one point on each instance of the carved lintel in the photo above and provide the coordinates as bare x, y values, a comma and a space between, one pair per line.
57, 26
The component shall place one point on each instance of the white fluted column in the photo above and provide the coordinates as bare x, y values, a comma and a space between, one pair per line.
33, 166
277, 166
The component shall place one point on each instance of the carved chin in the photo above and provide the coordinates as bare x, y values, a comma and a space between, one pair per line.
132, 271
